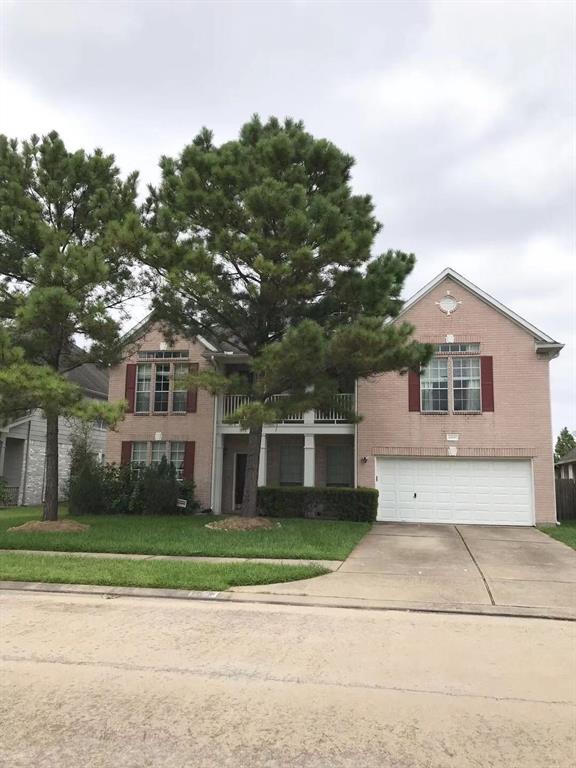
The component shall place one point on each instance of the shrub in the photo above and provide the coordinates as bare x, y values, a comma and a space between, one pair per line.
4, 493
110, 489
86, 490
187, 490
118, 483
357, 504
156, 491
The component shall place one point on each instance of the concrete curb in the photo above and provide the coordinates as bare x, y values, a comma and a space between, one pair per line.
556, 614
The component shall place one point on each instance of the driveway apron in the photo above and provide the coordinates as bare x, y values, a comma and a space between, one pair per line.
461, 566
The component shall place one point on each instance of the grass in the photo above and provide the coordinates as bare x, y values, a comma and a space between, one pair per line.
127, 534
565, 532
70, 569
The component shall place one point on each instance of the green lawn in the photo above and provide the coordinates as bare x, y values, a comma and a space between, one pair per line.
308, 539
565, 532
70, 569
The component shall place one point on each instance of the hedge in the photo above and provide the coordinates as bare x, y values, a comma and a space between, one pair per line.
358, 504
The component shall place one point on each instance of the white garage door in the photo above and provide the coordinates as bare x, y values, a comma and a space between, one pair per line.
489, 491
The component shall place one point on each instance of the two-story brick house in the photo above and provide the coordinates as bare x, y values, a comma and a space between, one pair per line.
469, 440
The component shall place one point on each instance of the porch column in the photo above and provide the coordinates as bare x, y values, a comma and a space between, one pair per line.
217, 474
2, 454
309, 460
263, 464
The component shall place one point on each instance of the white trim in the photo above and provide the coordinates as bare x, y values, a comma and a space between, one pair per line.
485, 297
207, 344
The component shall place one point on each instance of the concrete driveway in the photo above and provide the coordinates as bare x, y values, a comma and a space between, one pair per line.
489, 569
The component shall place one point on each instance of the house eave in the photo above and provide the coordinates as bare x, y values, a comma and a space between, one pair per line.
538, 335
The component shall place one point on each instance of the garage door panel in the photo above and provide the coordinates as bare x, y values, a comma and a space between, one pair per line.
478, 491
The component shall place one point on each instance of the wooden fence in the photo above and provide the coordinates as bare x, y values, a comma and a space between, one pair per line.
566, 499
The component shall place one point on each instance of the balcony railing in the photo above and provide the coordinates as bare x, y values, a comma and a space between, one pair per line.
335, 414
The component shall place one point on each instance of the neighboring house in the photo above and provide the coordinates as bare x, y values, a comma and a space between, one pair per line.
566, 466
23, 442
468, 441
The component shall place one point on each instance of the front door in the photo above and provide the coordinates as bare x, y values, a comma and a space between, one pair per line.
239, 478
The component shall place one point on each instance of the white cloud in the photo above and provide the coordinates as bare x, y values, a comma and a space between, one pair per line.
535, 166
26, 111
417, 97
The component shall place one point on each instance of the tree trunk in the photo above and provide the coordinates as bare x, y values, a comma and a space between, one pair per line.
50, 510
249, 499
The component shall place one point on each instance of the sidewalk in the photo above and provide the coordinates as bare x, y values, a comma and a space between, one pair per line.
330, 565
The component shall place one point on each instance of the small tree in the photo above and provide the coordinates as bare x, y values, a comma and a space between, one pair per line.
68, 233
564, 444
261, 243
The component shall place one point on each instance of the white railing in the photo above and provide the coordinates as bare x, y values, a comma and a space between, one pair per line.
291, 417
231, 403
343, 403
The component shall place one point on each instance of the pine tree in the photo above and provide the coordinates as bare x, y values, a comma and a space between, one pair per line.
68, 233
261, 242
564, 444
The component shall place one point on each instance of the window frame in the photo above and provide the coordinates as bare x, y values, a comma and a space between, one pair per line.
169, 451
468, 360
175, 369
433, 389
139, 464
181, 392
449, 358
346, 450
138, 391
284, 448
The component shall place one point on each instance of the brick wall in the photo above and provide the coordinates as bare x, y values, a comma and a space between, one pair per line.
520, 424
198, 426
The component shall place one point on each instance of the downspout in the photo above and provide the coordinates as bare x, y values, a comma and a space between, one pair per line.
356, 435
213, 499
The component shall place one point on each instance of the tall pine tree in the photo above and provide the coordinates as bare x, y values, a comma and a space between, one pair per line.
69, 230
262, 243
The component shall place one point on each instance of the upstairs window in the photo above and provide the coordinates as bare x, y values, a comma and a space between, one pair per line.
162, 388
180, 393
458, 349
163, 354
466, 383
434, 386
143, 380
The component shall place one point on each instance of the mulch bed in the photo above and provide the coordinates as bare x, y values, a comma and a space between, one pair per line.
243, 524
50, 526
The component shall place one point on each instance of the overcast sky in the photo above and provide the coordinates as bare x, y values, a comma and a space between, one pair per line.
461, 117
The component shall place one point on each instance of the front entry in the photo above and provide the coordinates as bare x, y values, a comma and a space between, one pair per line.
239, 478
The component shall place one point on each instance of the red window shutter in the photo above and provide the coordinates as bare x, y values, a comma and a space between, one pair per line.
487, 382
192, 398
130, 386
413, 391
126, 452
188, 467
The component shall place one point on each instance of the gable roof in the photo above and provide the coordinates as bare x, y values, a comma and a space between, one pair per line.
142, 327
541, 338
569, 458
